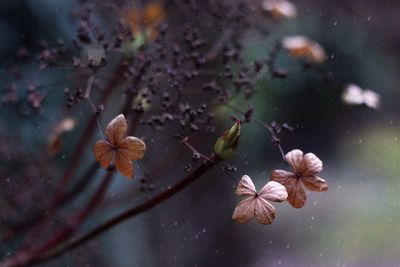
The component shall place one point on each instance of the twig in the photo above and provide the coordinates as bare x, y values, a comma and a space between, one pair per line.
80, 186
161, 197
24, 257
275, 138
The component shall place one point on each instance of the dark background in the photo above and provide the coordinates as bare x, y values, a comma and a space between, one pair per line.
355, 223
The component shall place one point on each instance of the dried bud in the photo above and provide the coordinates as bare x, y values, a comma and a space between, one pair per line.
225, 147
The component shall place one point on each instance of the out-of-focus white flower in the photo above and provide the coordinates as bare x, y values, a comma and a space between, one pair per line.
302, 47
279, 8
355, 95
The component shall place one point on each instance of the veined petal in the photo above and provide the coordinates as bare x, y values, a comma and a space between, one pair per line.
103, 153
244, 211
245, 187
314, 183
134, 147
273, 191
264, 211
123, 164
294, 158
116, 129
311, 165
296, 194
282, 176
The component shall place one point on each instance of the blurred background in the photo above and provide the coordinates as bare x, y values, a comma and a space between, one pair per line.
355, 223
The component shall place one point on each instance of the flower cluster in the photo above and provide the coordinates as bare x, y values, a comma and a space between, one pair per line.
284, 185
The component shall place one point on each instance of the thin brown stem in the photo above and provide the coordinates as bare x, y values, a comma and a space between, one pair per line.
161, 197
81, 185
25, 256
274, 137
78, 152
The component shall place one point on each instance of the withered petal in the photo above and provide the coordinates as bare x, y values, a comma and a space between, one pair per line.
295, 158
296, 195
103, 153
282, 176
264, 211
123, 164
116, 130
311, 165
244, 211
273, 191
314, 183
134, 147
245, 187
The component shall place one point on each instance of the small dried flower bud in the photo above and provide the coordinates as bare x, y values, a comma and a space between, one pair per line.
226, 145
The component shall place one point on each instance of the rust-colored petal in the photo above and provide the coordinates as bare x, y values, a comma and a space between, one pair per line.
314, 183
116, 129
273, 191
103, 153
153, 13
245, 187
264, 211
134, 147
123, 164
295, 158
244, 211
311, 165
296, 194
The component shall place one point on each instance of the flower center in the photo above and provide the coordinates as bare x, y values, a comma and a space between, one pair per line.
298, 175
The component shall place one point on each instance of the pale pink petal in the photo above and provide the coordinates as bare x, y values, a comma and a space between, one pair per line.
372, 99
294, 158
353, 94
245, 187
244, 211
116, 130
264, 211
273, 191
134, 147
311, 165
314, 183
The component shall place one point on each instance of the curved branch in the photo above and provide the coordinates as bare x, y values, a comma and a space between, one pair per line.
190, 178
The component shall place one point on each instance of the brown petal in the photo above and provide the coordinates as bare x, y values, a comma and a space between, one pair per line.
244, 211
311, 165
245, 187
294, 158
264, 211
282, 176
315, 183
134, 147
273, 191
296, 194
103, 153
116, 130
123, 164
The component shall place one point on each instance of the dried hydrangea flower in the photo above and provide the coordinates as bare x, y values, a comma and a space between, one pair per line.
355, 95
304, 174
119, 148
302, 47
279, 8
145, 20
257, 205
54, 140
